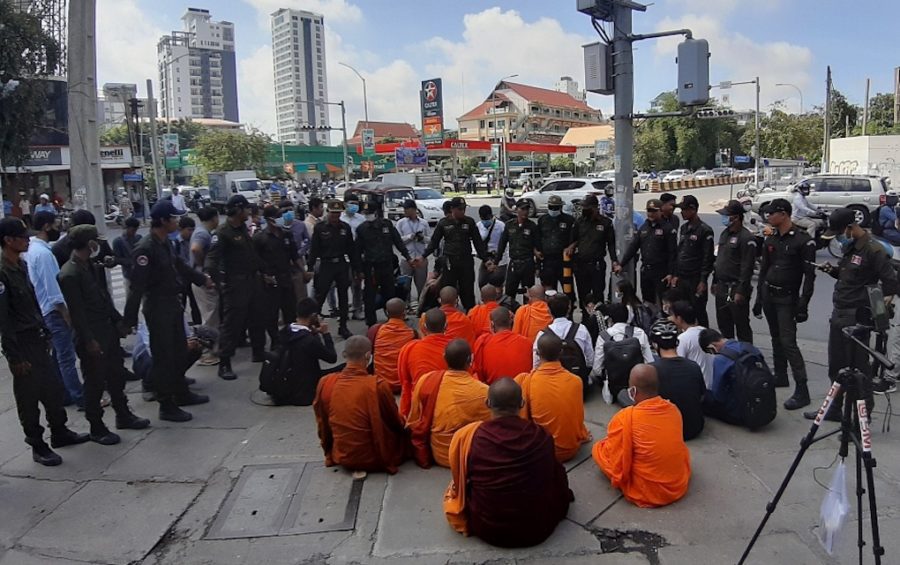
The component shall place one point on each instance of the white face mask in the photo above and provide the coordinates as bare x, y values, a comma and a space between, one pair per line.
95, 249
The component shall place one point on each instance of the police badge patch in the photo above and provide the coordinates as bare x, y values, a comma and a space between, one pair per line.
142, 260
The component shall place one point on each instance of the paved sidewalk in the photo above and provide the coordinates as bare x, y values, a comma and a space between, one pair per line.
243, 484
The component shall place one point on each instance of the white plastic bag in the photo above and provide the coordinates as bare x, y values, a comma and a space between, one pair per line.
607, 395
834, 510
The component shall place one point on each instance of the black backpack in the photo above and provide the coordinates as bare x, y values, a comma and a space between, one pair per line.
275, 375
752, 401
876, 227
619, 357
572, 356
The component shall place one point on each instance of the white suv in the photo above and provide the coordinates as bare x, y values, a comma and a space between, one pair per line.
570, 190
861, 193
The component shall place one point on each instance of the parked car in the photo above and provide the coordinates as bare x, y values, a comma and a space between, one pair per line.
861, 193
483, 180
703, 174
678, 174
720, 172
559, 175
570, 189
536, 179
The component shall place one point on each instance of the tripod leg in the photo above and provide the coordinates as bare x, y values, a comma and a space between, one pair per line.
864, 455
860, 542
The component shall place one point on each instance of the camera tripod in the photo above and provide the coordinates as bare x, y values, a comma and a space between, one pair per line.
854, 428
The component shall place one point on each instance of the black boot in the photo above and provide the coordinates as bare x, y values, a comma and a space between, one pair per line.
65, 436
41, 453
799, 399
833, 414
258, 356
191, 399
170, 411
101, 434
128, 420
344, 332
225, 372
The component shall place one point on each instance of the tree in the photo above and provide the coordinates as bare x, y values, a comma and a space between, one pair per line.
469, 165
842, 113
231, 151
788, 136
27, 52
562, 163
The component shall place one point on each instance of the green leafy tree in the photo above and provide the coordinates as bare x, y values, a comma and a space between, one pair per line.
842, 113
469, 165
231, 151
881, 117
788, 136
562, 163
27, 52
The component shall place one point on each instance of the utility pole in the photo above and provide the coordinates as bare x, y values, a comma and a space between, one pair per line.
344, 131
826, 145
866, 107
756, 157
623, 69
154, 138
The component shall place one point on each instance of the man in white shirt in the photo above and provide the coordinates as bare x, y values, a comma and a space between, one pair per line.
178, 200
683, 316
618, 316
559, 305
805, 215
415, 234
490, 229
354, 219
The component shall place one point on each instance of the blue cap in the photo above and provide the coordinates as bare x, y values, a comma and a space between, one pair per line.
164, 209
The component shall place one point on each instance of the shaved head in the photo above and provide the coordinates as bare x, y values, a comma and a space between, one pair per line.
549, 346
395, 308
449, 295
536, 293
435, 321
489, 293
643, 377
502, 319
505, 397
458, 355
356, 348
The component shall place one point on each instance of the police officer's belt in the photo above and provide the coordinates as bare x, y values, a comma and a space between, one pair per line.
776, 291
332, 259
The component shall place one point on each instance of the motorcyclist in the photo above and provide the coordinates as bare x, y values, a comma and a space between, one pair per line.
805, 215
607, 202
887, 218
508, 205
753, 222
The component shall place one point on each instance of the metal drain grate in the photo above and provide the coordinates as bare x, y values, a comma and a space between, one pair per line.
301, 498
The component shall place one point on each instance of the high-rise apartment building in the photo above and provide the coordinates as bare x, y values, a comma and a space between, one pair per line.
197, 71
301, 83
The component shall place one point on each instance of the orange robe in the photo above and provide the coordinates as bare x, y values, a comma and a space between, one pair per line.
532, 318
418, 357
481, 318
458, 325
389, 340
503, 354
359, 425
644, 454
460, 400
553, 400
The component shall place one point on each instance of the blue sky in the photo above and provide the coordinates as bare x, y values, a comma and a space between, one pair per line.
472, 43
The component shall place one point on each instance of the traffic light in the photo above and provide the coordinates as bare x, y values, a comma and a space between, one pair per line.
308, 127
713, 113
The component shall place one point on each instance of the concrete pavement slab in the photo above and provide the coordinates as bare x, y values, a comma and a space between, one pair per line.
16, 557
593, 494
288, 434
12, 440
770, 549
7, 400
110, 522
186, 454
26, 501
602, 559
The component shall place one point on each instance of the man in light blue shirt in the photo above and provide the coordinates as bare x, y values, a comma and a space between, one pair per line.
42, 271
415, 234
45, 205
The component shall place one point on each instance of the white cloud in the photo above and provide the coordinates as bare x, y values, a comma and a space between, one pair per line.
122, 54
256, 95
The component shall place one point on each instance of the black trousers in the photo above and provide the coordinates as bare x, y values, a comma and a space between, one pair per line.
783, 329
193, 355
41, 385
99, 373
460, 274
687, 286
734, 319
168, 346
590, 278
188, 299
243, 310
844, 352
379, 279
551, 271
519, 273
279, 299
652, 285
337, 274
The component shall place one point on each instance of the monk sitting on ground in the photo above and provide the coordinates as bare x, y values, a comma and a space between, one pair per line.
458, 324
553, 399
534, 316
507, 487
481, 314
389, 339
359, 426
644, 454
501, 353
443, 402
422, 356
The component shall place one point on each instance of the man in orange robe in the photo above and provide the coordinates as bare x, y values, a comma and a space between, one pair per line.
501, 353
481, 314
458, 324
359, 426
507, 487
389, 339
554, 400
644, 454
443, 402
534, 316
422, 356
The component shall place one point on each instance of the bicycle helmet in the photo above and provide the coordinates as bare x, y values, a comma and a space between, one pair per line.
663, 332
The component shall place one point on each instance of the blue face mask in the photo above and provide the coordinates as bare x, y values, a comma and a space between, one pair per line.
726, 221
486, 223
175, 235
352, 208
842, 239
288, 217
554, 213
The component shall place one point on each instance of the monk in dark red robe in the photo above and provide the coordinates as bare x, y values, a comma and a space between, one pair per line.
507, 487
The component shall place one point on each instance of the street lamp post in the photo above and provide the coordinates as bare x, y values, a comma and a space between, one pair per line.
343, 130
365, 97
795, 87
728, 84
494, 113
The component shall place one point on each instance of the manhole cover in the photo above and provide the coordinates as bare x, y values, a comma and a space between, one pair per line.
301, 498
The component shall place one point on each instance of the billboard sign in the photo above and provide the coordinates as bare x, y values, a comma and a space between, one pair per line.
601, 148
411, 157
368, 142
171, 150
432, 105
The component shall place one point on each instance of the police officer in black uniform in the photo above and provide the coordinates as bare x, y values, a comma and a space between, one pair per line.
26, 346
557, 231
376, 239
232, 262
732, 281
667, 210
332, 245
696, 256
787, 276
278, 256
657, 244
594, 237
865, 263
157, 278
459, 233
524, 240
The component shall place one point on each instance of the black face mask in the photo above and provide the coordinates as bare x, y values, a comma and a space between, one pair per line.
53, 235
